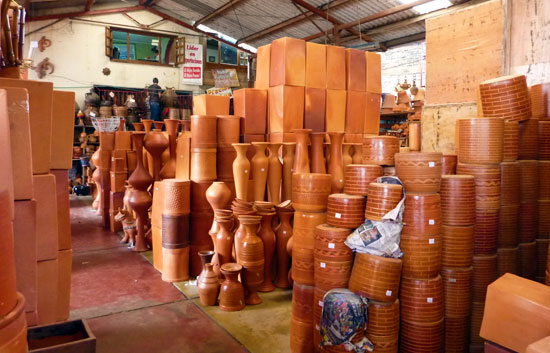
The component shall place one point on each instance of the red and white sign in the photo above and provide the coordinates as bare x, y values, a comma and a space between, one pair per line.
192, 68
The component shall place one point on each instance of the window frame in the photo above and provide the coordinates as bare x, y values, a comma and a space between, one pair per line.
219, 63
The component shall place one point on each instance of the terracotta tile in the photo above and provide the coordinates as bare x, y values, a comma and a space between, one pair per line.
286, 108
335, 119
123, 140
355, 112
288, 62
316, 65
183, 148
207, 104
63, 208
374, 72
24, 230
64, 268
62, 130
355, 70
46, 300
263, 60
336, 67
251, 105
45, 194
372, 114
315, 105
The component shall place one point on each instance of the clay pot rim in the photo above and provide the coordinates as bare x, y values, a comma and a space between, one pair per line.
259, 143
14, 313
230, 267
241, 144
206, 252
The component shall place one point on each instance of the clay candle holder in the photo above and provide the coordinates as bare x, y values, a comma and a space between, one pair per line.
318, 162
458, 246
457, 284
457, 200
448, 164
357, 178
422, 300
480, 140
204, 131
544, 140
508, 261
241, 170
232, 291
510, 182
419, 171
310, 191
301, 156
422, 216
376, 277
259, 165
380, 150
506, 97
382, 199
345, 211
487, 181
528, 181
335, 165
510, 143
485, 272
528, 139
288, 169
421, 337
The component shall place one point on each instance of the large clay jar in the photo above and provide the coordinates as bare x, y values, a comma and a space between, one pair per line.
241, 170
301, 156
259, 165
169, 169
275, 173
283, 232
346, 154
251, 257
268, 238
208, 286
288, 169
224, 241
232, 291
336, 166
217, 195
318, 161
240, 233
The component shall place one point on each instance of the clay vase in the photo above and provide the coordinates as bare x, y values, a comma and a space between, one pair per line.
155, 144
240, 234
169, 169
288, 168
283, 232
206, 258
139, 199
138, 126
251, 256
241, 170
158, 125
336, 166
301, 156
275, 173
259, 165
268, 238
224, 241
232, 291
208, 286
346, 154
148, 159
317, 153
217, 195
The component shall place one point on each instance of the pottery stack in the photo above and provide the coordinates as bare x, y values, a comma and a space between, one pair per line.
380, 150
543, 234
480, 152
457, 230
310, 192
422, 290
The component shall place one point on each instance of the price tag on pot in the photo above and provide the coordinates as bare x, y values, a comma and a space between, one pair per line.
430, 300
431, 222
331, 245
452, 280
320, 303
323, 265
431, 241
431, 164
337, 215
388, 293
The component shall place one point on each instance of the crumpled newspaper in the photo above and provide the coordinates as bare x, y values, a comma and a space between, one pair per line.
382, 237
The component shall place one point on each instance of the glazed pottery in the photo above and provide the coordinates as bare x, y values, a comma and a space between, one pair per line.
288, 169
268, 238
155, 144
232, 291
208, 286
259, 165
169, 169
241, 170
301, 156
251, 257
346, 154
318, 162
335, 166
275, 173
283, 232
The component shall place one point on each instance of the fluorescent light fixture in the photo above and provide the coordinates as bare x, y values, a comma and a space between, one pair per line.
429, 6
226, 37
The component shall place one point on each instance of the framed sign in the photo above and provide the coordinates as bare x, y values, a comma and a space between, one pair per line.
193, 66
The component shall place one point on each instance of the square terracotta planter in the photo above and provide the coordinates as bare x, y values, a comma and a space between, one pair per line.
374, 72
335, 110
263, 59
63, 208
47, 288
207, 104
372, 114
183, 148
47, 232
288, 62
64, 269
316, 65
356, 64
67, 337
315, 105
62, 130
123, 140
24, 226
251, 105
355, 112
286, 108
336, 67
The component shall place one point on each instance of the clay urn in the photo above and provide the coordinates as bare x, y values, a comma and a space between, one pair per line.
301, 155
208, 286
155, 144
241, 170
206, 258
232, 291
274, 173
336, 166
259, 165
224, 241
218, 196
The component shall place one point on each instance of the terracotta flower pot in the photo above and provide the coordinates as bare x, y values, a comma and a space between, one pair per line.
336, 166
268, 239
480, 140
510, 144
203, 164
204, 131
310, 191
208, 286
419, 171
528, 143
259, 165
275, 173
169, 169
302, 302
318, 162
422, 337
376, 277
345, 211
510, 94
232, 291
283, 232
288, 169
458, 246
422, 301
458, 200
229, 129
357, 178
301, 156
485, 272
487, 183
382, 199
448, 164
380, 150
155, 144
241, 170
383, 319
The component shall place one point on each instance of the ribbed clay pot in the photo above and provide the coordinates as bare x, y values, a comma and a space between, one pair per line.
301, 156
288, 169
217, 195
318, 162
224, 241
275, 173
336, 164
241, 170
357, 178
208, 286
251, 256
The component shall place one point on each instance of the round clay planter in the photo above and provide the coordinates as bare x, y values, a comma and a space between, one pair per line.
208, 286
301, 336
510, 144
485, 272
528, 180
331, 274
335, 165
251, 256
376, 277
13, 328
357, 178
302, 265
527, 222
345, 211
302, 302
506, 97
232, 291
508, 261
457, 285
301, 155
382, 199
418, 337
241, 170
275, 173
510, 182
204, 131
419, 171
380, 150
508, 226
422, 255
155, 144
422, 300
304, 228
383, 318
225, 157
422, 214
539, 100
229, 129
288, 169
283, 232
175, 264
487, 182
176, 196
203, 164
448, 164
457, 200
544, 180
544, 218
528, 144
414, 136
475, 323
528, 260
385, 344
458, 246
310, 191
544, 140
329, 244
457, 332
175, 230
486, 231
480, 140
318, 162
318, 296
542, 256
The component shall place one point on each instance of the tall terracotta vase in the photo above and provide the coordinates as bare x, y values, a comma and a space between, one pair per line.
224, 241
275, 173
241, 170
346, 154
288, 168
268, 238
148, 159
336, 166
218, 195
139, 199
240, 233
318, 162
251, 257
283, 232
301, 156
96, 177
208, 285
259, 165
358, 153
155, 144
169, 169
232, 291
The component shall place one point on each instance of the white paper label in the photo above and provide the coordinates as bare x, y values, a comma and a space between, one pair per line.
292, 170
431, 241
341, 180
388, 293
430, 300
452, 280
431, 164
338, 215
284, 231
431, 222
323, 265
331, 245
320, 303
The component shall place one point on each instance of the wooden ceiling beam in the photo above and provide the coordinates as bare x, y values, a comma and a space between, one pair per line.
217, 12
89, 4
85, 13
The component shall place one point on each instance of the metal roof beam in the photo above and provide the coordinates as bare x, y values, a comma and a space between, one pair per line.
89, 4
217, 12
86, 13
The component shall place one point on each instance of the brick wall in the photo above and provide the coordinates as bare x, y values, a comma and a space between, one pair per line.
407, 61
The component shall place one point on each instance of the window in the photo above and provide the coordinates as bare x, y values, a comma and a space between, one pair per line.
220, 53
228, 54
212, 51
143, 47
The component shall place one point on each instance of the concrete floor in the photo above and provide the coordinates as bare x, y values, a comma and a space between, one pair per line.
130, 309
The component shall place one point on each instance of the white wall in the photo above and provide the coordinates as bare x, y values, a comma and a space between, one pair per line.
78, 53
406, 61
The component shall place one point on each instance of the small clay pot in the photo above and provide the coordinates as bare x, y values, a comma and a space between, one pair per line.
208, 286
232, 291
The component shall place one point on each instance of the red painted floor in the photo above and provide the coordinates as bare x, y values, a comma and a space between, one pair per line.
128, 306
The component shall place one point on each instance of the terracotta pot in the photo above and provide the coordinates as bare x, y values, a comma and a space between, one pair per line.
275, 173
357, 178
310, 191
508, 261
204, 131
457, 200
422, 216
528, 180
175, 264
457, 285
510, 147
528, 218
318, 162
224, 242
345, 211
485, 272
283, 232
301, 336
487, 181
177, 195
198, 196
544, 219
380, 150
224, 165
203, 164
155, 144
185, 125
229, 129
195, 262
475, 325
206, 258
251, 256
302, 302
505, 97
508, 226
336, 167
346, 154
304, 228
544, 140
331, 274
269, 241
414, 136
421, 337
383, 319
169, 169
241, 170
544, 180
13, 328
480, 140
422, 257
528, 143
457, 334
458, 246
510, 183
301, 157
259, 165
419, 171
542, 257
528, 260
329, 244
217, 195
232, 291
288, 169
422, 300
486, 230
382, 199
448, 164
357, 153
376, 277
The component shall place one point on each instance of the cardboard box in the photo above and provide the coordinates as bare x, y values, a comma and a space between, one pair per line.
356, 65
20, 136
63, 208
263, 59
336, 67
288, 62
24, 230
316, 65
47, 289
47, 232
335, 119
315, 105
183, 149
64, 269
123, 140
280, 137
251, 105
372, 114
62, 130
286, 108
355, 112
207, 104
517, 312
40, 113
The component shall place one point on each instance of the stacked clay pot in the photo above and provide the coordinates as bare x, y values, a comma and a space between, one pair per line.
419, 171
228, 133
457, 229
448, 164
204, 144
506, 97
357, 178
543, 196
382, 199
380, 150
251, 257
200, 225
528, 217
539, 100
310, 192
